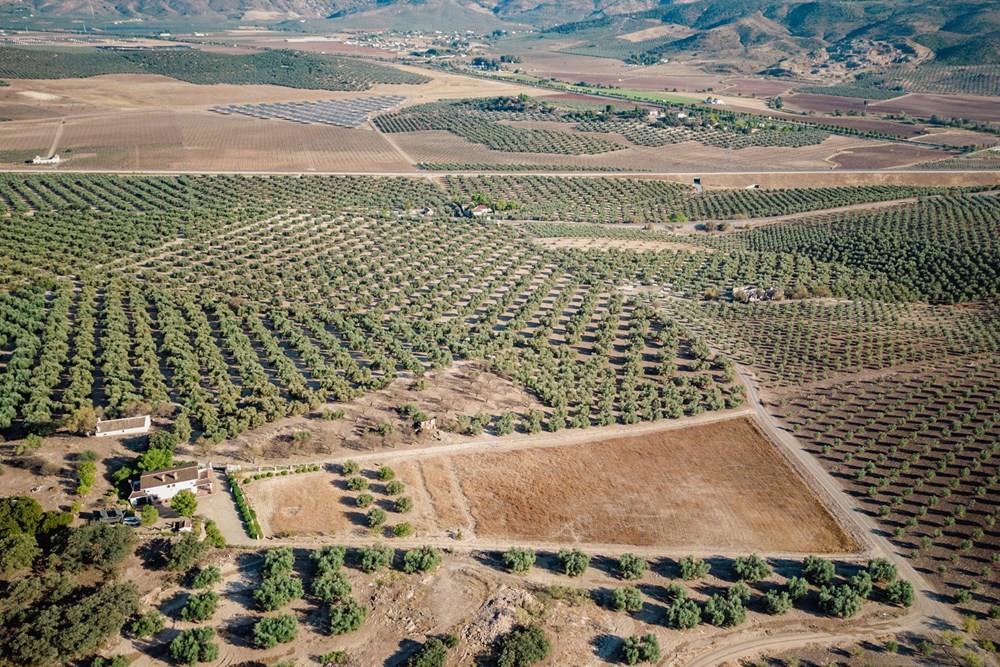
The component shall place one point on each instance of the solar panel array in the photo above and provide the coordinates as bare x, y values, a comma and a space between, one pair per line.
343, 113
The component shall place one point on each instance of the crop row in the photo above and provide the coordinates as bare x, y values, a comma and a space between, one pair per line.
493, 135
918, 448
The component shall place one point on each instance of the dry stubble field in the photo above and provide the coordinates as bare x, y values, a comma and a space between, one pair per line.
719, 486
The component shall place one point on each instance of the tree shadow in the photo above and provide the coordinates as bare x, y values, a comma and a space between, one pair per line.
406, 648
607, 647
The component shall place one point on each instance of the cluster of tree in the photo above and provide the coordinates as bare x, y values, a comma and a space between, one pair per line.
55, 614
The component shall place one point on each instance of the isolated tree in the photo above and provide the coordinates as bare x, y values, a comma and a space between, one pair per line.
193, 646
200, 606
798, 588
637, 649
519, 560
375, 557
842, 601
148, 515
751, 568
881, 570
330, 585
184, 503
273, 630
206, 577
631, 566
346, 616
900, 592
421, 559
683, 614
818, 571
147, 625
277, 591
574, 563
777, 602
693, 568
524, 646
626, 599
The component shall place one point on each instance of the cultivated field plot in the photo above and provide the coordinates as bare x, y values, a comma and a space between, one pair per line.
198, 140
249, 310
342, 113
919, 448
646, 200
293, 69
671, 489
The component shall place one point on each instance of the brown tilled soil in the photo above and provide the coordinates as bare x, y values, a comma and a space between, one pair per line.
948, 106
885, 157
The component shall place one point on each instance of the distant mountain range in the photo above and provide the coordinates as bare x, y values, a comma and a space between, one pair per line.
958, 31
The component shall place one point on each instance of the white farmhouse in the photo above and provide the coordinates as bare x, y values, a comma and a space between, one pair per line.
162, 485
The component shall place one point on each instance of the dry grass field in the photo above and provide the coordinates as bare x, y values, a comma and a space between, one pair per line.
885, 156
717, 486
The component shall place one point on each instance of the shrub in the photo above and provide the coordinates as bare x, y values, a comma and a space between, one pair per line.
574, 563
798, 588
330, 585
777, 602
519, 560
184, 503
751, 568
682, 613
147, 625
433, 653
386, 474
403, 505
206, 577
149, 515
271, 631
192, 646
329, 559
724, 610
185, 552
524, 646
818, 571
881, 571
277, 591
421, 559
375, 517
357, 484
346, 616
278, 561
113, 661
641, 649
402, 530
862, 584
213, 535
693, 568
375, 557
333, 658
365, 500
200, 606
350, 468
842, 601
900, 592
626, 599
631, 566
394, 488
